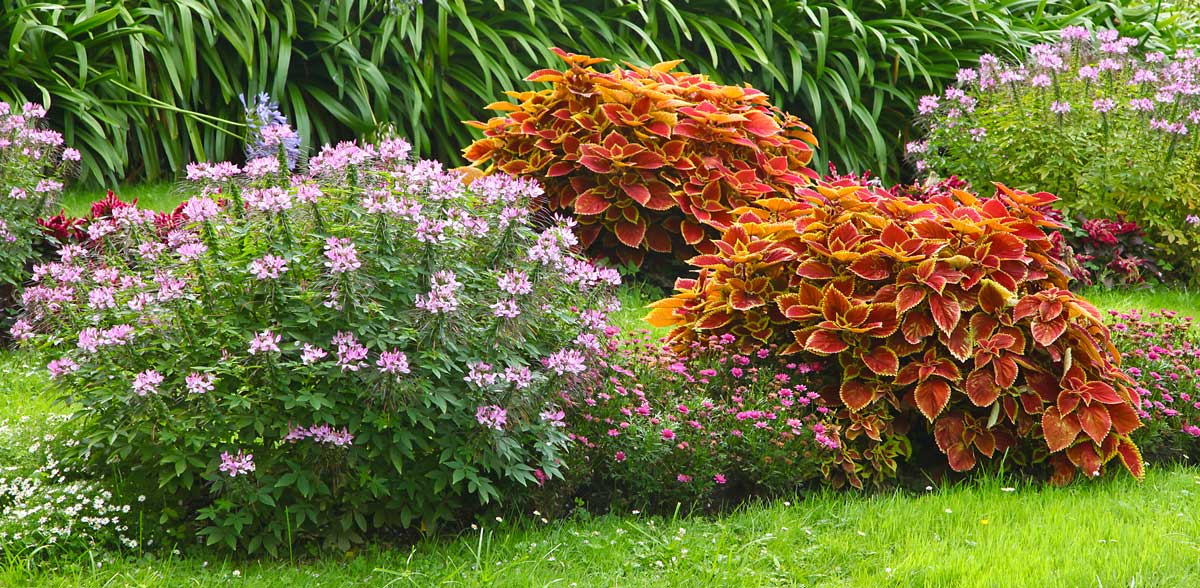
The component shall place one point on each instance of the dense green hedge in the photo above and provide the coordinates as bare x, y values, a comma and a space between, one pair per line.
128, 79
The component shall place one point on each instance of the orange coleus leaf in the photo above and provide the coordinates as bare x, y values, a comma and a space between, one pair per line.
946, 311
631, 233
1095, 421
1046, 333
825, 342
881, 360
931, 396
981, 388
1060, 432
1131, 458
856, 394
592, 202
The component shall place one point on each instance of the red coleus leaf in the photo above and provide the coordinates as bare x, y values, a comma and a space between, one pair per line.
1095, 421
909, 297
958, 342
993, 297
658, 239
946, 311
591, 202
1060, 432
1131, 458
981, 388
1124, 418
741, 300
1046, 333
881, 360
815, 270
1005, 369
1101, 392
636, 191
916, 326
596, 164
714, 320
1084, 455
871, 267
856, 394
825, 342
555, 170
692, 232
631, 233
931, 396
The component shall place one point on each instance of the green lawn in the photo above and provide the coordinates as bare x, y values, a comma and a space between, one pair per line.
78, 201
1114, 532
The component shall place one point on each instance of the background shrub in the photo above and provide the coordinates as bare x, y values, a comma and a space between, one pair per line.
645, 159
1106, 127
948, 316
854, 69
373, 346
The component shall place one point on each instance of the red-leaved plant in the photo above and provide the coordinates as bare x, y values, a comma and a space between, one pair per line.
646, 159
949, 311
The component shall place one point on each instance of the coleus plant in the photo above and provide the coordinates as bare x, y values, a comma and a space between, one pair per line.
648, 160
950, 311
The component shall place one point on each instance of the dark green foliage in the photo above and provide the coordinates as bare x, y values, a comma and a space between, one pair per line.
129, 79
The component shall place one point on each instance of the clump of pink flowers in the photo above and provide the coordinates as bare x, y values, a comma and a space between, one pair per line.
233, 466
491, 416
323, 434
1161, 353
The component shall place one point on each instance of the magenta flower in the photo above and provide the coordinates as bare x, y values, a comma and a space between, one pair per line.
200, 208
268, 267
341, 255
566, 361
491, 416
198, 383
324, 434
927, 104
506, 309
62, 366
442, 297
1103, 105
312, 354
719, 479
554, 417
236, 465
520, 377
480, 374
191, 251
350, 353
667, 434
146, 382
683, 478
264, 342
514, 282
101, 298
262, 166
393, 362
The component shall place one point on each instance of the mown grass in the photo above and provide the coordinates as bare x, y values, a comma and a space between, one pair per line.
1114, 532
1182, 300
161, 196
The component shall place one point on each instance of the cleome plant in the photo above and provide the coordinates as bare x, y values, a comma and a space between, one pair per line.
368, 345
645, 159
948, 316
